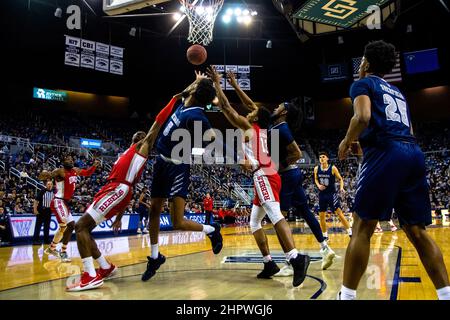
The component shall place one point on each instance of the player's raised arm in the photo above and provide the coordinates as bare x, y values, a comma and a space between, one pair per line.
88, 172
358, 123
337, 174
231, 114
245, 99
47, 175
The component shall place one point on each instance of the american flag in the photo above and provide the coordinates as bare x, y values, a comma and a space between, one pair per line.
394, 76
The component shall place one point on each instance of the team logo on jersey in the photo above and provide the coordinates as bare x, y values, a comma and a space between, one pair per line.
73, 180
111, 200
263, 188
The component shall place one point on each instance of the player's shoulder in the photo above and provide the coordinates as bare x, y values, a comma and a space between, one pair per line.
363, 86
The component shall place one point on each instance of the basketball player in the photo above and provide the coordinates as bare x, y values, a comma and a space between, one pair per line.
143, 210
66, 180
392, 175
287, 118
267, 186
171, 176
112, 200
325, 179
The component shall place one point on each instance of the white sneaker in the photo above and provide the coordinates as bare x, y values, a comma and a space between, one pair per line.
139, 230
394, 228
328, 256
145, 230
286, 271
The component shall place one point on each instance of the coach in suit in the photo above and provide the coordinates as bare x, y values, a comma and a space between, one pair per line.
42, 210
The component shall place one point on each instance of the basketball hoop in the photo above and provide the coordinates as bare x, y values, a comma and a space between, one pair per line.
202, 16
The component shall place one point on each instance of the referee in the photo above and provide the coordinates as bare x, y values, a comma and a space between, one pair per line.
41, 208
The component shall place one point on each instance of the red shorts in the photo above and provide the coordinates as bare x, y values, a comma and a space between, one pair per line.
267, 187
111, 200
61, 210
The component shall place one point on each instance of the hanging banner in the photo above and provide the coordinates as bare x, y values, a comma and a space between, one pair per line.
72, 54
242, 74
93, 55
87, 54
116, 62
101, 57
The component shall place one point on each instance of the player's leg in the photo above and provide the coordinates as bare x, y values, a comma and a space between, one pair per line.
344, 221
414, 212
357, 256
268, 189
58, 207
323, 207
155, 214
66, 238
270, 267
431, 257
90, 278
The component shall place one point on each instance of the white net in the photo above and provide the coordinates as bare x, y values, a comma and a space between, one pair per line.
202, 16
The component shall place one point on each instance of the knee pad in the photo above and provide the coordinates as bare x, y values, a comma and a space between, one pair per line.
256, 217
273, 210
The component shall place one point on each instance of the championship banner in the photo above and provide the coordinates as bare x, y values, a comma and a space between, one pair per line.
102, 57
87, 54
116, 62
242, 74
72, 54
93, 55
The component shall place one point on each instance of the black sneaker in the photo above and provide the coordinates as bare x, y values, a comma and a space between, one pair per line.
300, 265
152, 266
270, 268
216, 239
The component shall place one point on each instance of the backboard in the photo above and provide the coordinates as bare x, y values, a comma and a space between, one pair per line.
115, 7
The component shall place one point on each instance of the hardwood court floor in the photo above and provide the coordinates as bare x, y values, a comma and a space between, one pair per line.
192, 271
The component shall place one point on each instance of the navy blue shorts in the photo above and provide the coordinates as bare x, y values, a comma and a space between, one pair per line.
292, 193
170, 180
329, 200
394, 177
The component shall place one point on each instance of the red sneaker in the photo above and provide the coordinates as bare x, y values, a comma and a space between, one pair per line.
107, 273
86, 283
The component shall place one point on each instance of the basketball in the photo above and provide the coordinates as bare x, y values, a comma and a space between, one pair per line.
196, 54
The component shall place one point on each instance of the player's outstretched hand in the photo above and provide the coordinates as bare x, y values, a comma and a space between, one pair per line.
200, 75
117, 226
344, 149
97, 163
213, 74
231, 78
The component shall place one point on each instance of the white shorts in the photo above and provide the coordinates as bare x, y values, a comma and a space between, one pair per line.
61, 211
111, 200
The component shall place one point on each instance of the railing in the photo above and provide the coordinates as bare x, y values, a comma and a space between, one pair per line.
30, 181
40, 156
2, 165
241, 194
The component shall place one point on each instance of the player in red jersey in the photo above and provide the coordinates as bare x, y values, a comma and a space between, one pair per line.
113, 199
267, 184
66, 181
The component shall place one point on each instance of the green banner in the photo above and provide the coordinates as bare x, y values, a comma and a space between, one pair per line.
46, 94
339, 13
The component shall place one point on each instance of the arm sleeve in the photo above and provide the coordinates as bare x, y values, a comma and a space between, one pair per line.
360, 88
165, 112
88, 172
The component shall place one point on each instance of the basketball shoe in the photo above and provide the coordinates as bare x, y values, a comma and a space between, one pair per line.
327, 257
216, 239
86, 283
300, 265
270, 269
152, 266
107, 273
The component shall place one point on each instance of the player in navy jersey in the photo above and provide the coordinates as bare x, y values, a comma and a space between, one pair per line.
286, 119
392, 173
171, 170
325, 179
